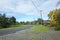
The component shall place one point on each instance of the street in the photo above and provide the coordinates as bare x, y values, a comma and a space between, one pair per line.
10, 31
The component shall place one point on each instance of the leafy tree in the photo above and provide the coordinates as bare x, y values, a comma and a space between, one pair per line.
5, 21
54, 16
39, 20
58, 17
12, 20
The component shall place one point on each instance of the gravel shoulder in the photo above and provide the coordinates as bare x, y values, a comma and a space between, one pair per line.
32, 35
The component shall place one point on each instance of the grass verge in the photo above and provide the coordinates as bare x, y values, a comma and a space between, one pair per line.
13, 26
39, 28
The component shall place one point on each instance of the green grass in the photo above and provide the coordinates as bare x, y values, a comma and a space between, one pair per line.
39, 28
16, 25
13, 26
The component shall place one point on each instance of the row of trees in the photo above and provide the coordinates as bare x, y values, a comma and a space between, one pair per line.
33, 22
6, 21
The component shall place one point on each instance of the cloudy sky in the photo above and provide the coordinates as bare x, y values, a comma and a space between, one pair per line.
24, 10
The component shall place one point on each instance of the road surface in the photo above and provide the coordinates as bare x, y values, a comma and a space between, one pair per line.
14, 30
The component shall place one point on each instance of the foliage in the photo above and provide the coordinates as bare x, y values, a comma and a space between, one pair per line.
57, 28
5, 21
38, 21
33, 22
54, 16
12, 20
58, 17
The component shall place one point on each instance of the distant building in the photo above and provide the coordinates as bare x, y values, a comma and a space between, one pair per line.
46, 22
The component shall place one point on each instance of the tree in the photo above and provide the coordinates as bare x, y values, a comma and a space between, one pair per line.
58, 18
5, 21
12, 20
39, 20
54, 16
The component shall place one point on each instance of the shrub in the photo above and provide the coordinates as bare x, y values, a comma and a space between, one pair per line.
57, 28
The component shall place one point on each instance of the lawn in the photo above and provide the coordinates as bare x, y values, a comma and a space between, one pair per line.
16, 25
39, 28
13, 26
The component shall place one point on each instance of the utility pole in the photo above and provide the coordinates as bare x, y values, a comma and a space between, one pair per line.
41, 16
40, 11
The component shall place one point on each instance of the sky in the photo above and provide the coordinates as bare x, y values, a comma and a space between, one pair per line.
24, 10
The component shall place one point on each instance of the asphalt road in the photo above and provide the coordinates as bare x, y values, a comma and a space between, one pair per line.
14, 30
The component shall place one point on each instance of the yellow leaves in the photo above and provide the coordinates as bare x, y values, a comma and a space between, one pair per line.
53, 14
54, 22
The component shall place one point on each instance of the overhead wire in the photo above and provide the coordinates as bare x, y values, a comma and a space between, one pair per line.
35, 6
40, 11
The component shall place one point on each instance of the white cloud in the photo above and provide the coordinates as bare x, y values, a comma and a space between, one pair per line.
26, 7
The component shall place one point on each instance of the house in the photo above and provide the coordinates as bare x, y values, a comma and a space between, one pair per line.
46, 22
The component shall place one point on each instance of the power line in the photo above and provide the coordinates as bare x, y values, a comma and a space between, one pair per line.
40, 11
35, 6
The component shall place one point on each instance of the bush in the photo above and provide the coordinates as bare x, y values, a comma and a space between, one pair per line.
51, 25
57, 28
